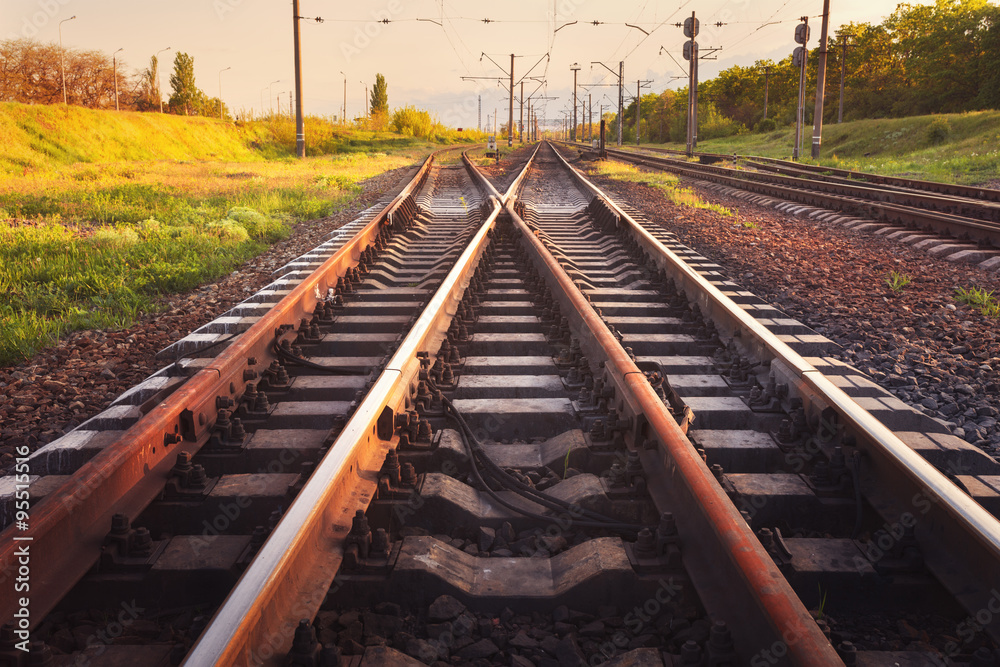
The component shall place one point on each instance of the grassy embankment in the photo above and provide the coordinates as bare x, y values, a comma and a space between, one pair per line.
952, 148
102, 212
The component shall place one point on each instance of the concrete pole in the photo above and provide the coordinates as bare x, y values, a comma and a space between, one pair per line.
521, 122
638, 104
843, 73
767, 72
220, 92
114, 67
820, 82
510, 120
621, 98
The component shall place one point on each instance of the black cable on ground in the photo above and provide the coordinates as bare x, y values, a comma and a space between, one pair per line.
474, 448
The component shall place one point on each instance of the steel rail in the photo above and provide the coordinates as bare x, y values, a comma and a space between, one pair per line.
68, 527
951, 526
953, 189
965, 206
294, 569
727, 564
957, 226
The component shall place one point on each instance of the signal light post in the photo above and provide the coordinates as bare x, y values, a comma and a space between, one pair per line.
691, 55
799, 57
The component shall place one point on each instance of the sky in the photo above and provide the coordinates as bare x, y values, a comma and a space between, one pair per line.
427, 46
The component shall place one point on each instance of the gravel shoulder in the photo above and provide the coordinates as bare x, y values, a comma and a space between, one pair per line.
939, 356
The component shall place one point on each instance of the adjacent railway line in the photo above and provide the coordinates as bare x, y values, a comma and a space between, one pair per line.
520, 428
918, 211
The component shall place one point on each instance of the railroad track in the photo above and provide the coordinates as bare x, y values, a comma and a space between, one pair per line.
913, 211
519, 429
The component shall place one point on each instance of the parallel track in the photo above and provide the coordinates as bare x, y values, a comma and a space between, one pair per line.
559, 333
965, 213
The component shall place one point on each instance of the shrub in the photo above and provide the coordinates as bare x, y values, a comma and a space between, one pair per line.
766, 125
412, 122
938, 131
229, 230
256, 225
114, 237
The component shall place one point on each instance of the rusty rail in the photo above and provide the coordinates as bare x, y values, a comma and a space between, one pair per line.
728, 566
294, 569
68, 527
799, 190
895, 478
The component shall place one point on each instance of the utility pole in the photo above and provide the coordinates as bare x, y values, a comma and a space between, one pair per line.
820, 82
638, 105
367, 113
479, 118
521, 122
62, 60
621, 97
575, 67
300, 128
343, 109
510, 120
843, 73
159, 92
691, 55
220, 91
590, 118
529, 120
799, 58
767, 72
114, 67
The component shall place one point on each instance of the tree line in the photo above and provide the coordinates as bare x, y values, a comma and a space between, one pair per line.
922, 59
31, 73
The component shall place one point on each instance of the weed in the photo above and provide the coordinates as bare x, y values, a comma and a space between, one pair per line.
979, 298
897, 281
822, 602
666, 183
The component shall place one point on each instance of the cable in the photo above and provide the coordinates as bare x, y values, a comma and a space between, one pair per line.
203, 349
299, 361
474, 448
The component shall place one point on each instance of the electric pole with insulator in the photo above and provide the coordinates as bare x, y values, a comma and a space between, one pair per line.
843, 74
575, 67
820, 82
300, 132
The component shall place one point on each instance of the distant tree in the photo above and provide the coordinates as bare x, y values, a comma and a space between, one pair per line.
380, 96
186, 94
148, 93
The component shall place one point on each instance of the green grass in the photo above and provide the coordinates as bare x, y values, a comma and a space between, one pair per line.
953, 148
101, 213
662, 181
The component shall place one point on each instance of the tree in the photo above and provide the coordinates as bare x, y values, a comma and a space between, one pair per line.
380, 97
186, 94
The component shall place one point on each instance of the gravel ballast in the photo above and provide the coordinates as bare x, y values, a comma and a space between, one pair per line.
932, 352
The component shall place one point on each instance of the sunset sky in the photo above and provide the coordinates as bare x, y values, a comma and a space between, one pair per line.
423, 61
